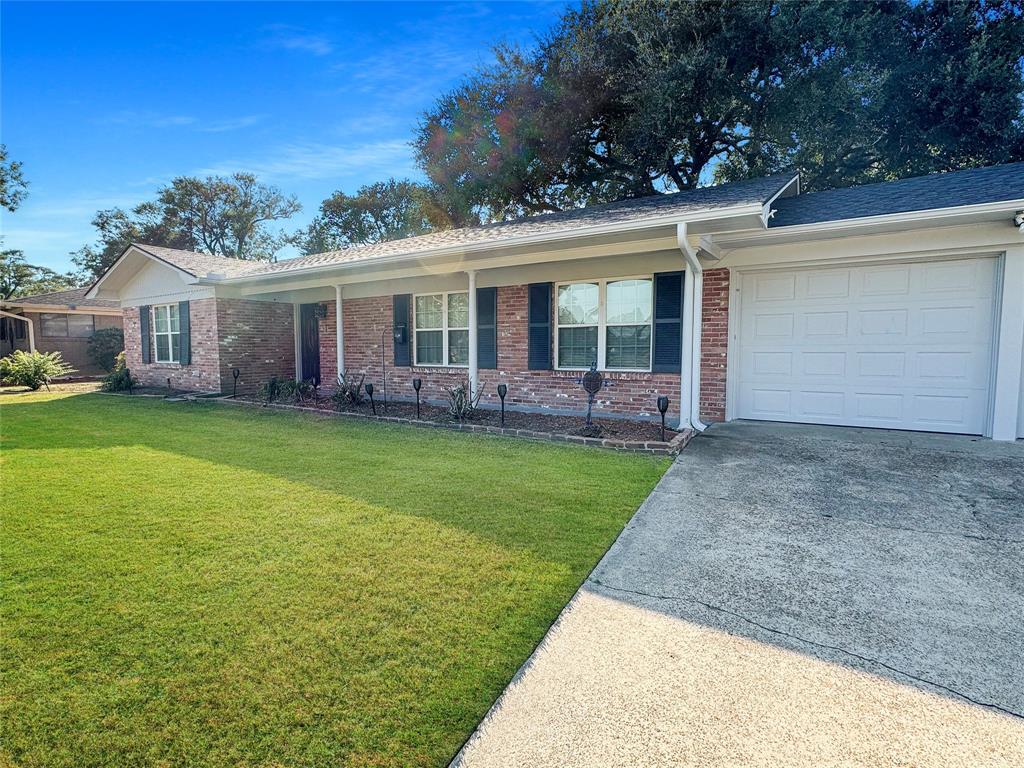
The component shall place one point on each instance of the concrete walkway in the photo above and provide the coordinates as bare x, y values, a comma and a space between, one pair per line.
792, 596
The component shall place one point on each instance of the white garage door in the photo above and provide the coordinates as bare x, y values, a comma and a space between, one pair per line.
902, 346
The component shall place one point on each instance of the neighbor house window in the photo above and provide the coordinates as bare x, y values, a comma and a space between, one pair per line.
165, 333
607, 322
80, 326
441, 322
53, 324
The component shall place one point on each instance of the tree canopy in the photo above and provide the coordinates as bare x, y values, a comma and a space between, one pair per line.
13, 187
18, 278
630, 97
223, 216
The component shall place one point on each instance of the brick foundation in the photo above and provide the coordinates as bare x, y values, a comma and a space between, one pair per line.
257, 337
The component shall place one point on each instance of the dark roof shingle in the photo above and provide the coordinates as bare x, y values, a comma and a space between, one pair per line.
939, 190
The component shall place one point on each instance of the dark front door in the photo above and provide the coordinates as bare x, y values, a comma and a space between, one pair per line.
309, 328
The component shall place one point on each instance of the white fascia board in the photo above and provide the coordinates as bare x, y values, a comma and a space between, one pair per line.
93, 291
908, 217
63, 309
491, 245
766, 210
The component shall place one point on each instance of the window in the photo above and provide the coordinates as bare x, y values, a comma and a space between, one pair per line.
607, 322
53, 324
165, 333
80, 326
441, 322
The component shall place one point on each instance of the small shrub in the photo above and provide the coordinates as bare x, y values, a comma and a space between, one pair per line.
349, 392
104, 347
33, 369
460, 404
120, 378
269, 390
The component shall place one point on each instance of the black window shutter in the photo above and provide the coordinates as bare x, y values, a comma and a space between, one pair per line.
144, 333
487, 327
668, 322
184, 334
538, 355
400, 320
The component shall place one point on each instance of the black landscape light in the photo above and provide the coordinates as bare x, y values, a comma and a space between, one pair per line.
128, 373
502, 391
416, 384
662, 407
169, 384
236, 373
369, 391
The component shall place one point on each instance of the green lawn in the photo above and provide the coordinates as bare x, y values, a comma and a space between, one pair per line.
196, 584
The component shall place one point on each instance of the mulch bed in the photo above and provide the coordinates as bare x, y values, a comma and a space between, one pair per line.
607, 429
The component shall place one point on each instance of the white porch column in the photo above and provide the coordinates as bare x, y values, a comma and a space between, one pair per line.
1006, 403
339, 330
474, 368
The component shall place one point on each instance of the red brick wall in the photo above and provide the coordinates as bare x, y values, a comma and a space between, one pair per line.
714, 342
73, 349
626, 394
258, 338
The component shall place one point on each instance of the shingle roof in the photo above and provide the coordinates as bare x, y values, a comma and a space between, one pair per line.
940, 190
751, 192
201, 264
73, 298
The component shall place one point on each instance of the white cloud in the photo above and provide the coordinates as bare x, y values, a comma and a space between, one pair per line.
295, 39
155, 120
322, 161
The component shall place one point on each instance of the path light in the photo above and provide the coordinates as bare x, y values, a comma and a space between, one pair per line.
128, 373
236, 373
416, 384
168, 383
502, 391
369, 391
662, 407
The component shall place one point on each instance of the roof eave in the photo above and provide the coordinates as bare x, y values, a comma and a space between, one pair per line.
94, 288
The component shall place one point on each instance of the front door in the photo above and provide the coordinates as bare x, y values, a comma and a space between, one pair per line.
309, 330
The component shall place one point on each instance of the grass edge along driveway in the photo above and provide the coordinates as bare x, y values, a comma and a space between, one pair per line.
195, 584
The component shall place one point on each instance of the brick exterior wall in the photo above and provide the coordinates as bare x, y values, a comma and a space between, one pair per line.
73, 349
714, 344
630, 395
257, 337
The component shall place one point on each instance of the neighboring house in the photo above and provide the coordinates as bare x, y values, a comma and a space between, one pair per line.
896, 305
61, 321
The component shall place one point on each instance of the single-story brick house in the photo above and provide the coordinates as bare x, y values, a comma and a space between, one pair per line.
896, 305
60, 321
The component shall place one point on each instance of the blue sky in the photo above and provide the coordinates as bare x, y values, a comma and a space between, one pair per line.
103, 103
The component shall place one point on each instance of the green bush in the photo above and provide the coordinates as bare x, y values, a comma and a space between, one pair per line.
33, 369
120, 378
104, 346
286, 391
461, 405
349, 392
269, 390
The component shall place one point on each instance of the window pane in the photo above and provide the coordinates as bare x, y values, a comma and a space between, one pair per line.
629, 346
175, 350
160, 319
458, 310
80, 325
429, 347
577, 347
429, 311
53, 325
577, 304
172, 313
458, 347
629, 301
163, 348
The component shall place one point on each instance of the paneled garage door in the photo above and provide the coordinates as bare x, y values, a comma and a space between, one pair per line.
902, 346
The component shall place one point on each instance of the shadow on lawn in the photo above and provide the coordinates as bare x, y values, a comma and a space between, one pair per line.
520, 494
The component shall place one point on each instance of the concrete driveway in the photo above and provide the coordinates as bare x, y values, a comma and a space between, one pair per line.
792, 596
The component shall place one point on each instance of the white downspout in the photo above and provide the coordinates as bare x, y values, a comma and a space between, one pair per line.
474, 368
693, 291
31, 329
339, 331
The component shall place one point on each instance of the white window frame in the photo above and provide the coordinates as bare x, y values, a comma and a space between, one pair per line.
444, 330
172, 348
602, 326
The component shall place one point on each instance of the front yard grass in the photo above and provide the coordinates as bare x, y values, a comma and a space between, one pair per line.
193, 584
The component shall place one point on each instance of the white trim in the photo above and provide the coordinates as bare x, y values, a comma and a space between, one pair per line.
445, 329
602, 325
31, 331
188, 277
297, 322
693, 327
1009, 344
767, 212
64, 308
752, 209
474, 363
171, 346
339, 330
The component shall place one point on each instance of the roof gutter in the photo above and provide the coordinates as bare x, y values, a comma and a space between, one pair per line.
753, 209
693, 291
